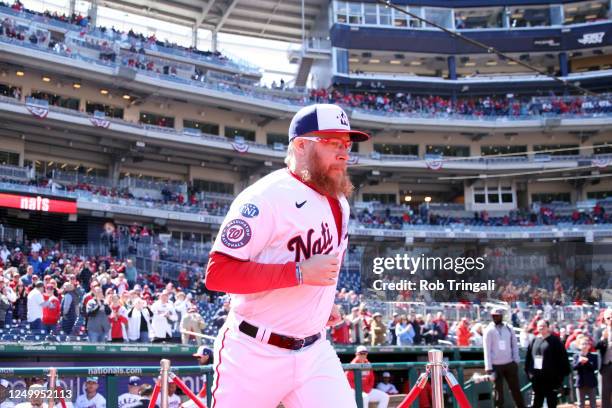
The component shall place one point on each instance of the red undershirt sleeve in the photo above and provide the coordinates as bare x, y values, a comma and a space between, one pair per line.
227, 274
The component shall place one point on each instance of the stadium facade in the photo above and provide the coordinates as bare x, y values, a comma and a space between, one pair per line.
467, 147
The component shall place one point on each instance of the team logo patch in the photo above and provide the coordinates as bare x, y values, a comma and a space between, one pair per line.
236, 234
249, 210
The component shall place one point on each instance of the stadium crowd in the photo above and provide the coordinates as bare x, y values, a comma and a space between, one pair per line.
396, 217
44, 291
388, 217
401, 102
361, 326
175, 201
554, 349
137, 41
374, 99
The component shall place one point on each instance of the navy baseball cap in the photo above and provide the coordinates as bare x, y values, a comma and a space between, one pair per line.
134, 380
323, 117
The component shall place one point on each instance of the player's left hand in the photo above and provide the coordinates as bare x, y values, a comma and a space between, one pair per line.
335, 317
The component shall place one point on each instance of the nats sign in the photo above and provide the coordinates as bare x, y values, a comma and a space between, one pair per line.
37, 203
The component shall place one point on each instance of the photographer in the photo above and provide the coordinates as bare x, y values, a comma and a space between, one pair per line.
164, 317
97, 312
139, 321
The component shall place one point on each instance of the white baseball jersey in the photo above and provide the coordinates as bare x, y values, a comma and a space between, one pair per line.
387, 388
127, 400
97, 401
276, 220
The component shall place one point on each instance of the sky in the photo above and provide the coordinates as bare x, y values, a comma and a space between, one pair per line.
270, 55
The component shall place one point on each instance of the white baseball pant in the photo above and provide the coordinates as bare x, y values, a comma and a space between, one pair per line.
251, 373
376, 396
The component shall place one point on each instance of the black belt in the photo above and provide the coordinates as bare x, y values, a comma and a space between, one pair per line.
279, 340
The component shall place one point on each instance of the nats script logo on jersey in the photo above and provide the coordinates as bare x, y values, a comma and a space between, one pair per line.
304, 250
236, 234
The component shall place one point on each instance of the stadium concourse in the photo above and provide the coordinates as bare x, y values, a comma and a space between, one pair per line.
127, 128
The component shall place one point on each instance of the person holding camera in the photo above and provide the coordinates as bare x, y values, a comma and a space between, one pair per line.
164, 317
97, 312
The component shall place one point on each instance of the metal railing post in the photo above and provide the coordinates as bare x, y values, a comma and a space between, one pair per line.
412, 380
52, 386
165, 369
358, 389
209, 384
437, 374
112, 391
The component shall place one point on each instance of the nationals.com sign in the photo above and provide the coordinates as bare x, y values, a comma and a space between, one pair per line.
37, 203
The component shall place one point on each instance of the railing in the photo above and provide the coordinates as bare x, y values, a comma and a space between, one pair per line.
111, 374
8, 234
176, 251
236, 64
412, 369
87, 196
16, 172
78, 178
172, 186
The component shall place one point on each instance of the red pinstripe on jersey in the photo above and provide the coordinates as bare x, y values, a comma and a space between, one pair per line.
214, 400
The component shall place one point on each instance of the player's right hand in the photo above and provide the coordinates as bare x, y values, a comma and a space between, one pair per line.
320, 270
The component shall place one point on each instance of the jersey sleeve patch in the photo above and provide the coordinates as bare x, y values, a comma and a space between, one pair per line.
249, 210
236, 234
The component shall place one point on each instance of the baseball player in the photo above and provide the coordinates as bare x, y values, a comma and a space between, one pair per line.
132, 397
278, 254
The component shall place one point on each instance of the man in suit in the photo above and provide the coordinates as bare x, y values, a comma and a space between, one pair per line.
193, 322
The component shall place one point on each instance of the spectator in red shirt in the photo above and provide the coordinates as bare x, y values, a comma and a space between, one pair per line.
367, 381
340, 332
51, 309
463, 333
183, 279
118, 321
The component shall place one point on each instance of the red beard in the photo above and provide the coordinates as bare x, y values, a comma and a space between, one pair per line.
330, 183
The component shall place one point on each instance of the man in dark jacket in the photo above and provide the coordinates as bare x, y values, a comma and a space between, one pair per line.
604, 346
97, 312
546, 365
585, 365
417, 323
69, 307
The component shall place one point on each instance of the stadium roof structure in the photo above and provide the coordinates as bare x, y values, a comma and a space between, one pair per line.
271, 19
